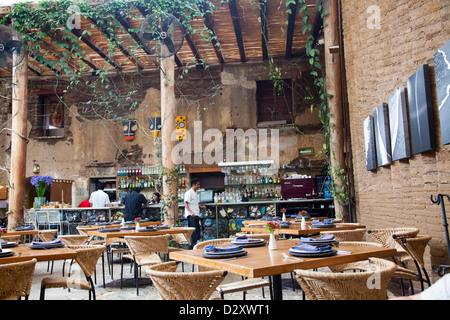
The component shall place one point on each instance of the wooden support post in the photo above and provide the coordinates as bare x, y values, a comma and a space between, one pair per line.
334, 87
18, 144
167, 131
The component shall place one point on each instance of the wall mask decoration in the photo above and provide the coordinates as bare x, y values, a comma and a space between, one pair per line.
442, 71
155, 126
421, 117
369, 140
129, 128
398, 125
382, 140
180, 127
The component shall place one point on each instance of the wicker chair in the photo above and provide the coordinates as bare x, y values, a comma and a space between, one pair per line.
415, 247
182, 240
16, 279
172, 285
401, 272
384, 236
87, 258
145, 251
347, 235
46, 236
11, 238
83, 231
115, 245
371, 284
72, 240
239, 286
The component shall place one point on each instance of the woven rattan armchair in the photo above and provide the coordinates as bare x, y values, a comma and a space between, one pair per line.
11, 238
73, 239
415, 247
182, 240
16, 279
87, 258
47, 235
239, 286
172, 285
401, 273
83, 231
145, 251
371, 284
347, 235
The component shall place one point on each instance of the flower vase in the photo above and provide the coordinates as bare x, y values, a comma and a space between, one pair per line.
272, 242
39, 202
284, 217
138, 226
123, 222
303, 222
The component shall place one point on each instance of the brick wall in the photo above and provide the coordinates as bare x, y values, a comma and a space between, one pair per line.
377, 62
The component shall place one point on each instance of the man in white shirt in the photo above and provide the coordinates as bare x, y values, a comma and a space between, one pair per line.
99, 198
192, 210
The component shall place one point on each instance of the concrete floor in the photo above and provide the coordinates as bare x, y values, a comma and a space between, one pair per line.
112, 289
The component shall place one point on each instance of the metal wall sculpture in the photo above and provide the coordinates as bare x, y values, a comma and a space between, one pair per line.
442, 71
369, 141
421, 117
382, 139
398, 125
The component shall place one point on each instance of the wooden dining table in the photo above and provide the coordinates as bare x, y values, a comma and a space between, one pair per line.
262, 262
296, 229
25, 253
132, 232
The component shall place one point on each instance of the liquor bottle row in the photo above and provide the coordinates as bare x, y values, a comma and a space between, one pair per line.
145, 170
249, 179
128, 183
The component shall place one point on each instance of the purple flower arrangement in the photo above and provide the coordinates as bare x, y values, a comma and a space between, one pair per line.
41, 183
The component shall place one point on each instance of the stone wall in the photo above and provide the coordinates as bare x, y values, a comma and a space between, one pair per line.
377, 62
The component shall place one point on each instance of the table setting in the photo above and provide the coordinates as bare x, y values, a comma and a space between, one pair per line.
323, 224
47, 244
246, 242
212, 252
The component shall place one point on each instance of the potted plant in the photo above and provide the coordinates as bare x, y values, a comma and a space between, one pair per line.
40, 183
271, 227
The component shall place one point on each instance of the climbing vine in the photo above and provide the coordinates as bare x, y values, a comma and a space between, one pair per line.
49, 22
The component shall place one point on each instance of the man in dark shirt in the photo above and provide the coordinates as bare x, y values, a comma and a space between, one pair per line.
133, 204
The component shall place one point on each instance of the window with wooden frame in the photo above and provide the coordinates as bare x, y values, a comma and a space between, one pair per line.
275, 103
51, 115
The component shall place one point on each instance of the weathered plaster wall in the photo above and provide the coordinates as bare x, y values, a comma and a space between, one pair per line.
95, 148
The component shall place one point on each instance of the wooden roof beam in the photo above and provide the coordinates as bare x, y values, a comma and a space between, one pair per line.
264, 29
214, 40
91, 43
105, 31
237, 28
290, 29
44, 63
91, 63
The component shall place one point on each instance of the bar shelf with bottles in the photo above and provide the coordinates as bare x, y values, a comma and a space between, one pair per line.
145, 177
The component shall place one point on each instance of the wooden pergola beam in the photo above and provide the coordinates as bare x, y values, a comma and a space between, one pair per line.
193, 47
214, 39
237, 29
264, 29
44, 63
91, 43
290, 30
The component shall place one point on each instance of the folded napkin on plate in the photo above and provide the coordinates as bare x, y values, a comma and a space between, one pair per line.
309, 248
162, 226
323, 222
326, 237
245, 239
25, 228
226, 249
109, 229
56, 241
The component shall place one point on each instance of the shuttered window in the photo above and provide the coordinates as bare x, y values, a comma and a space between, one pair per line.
275, 104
